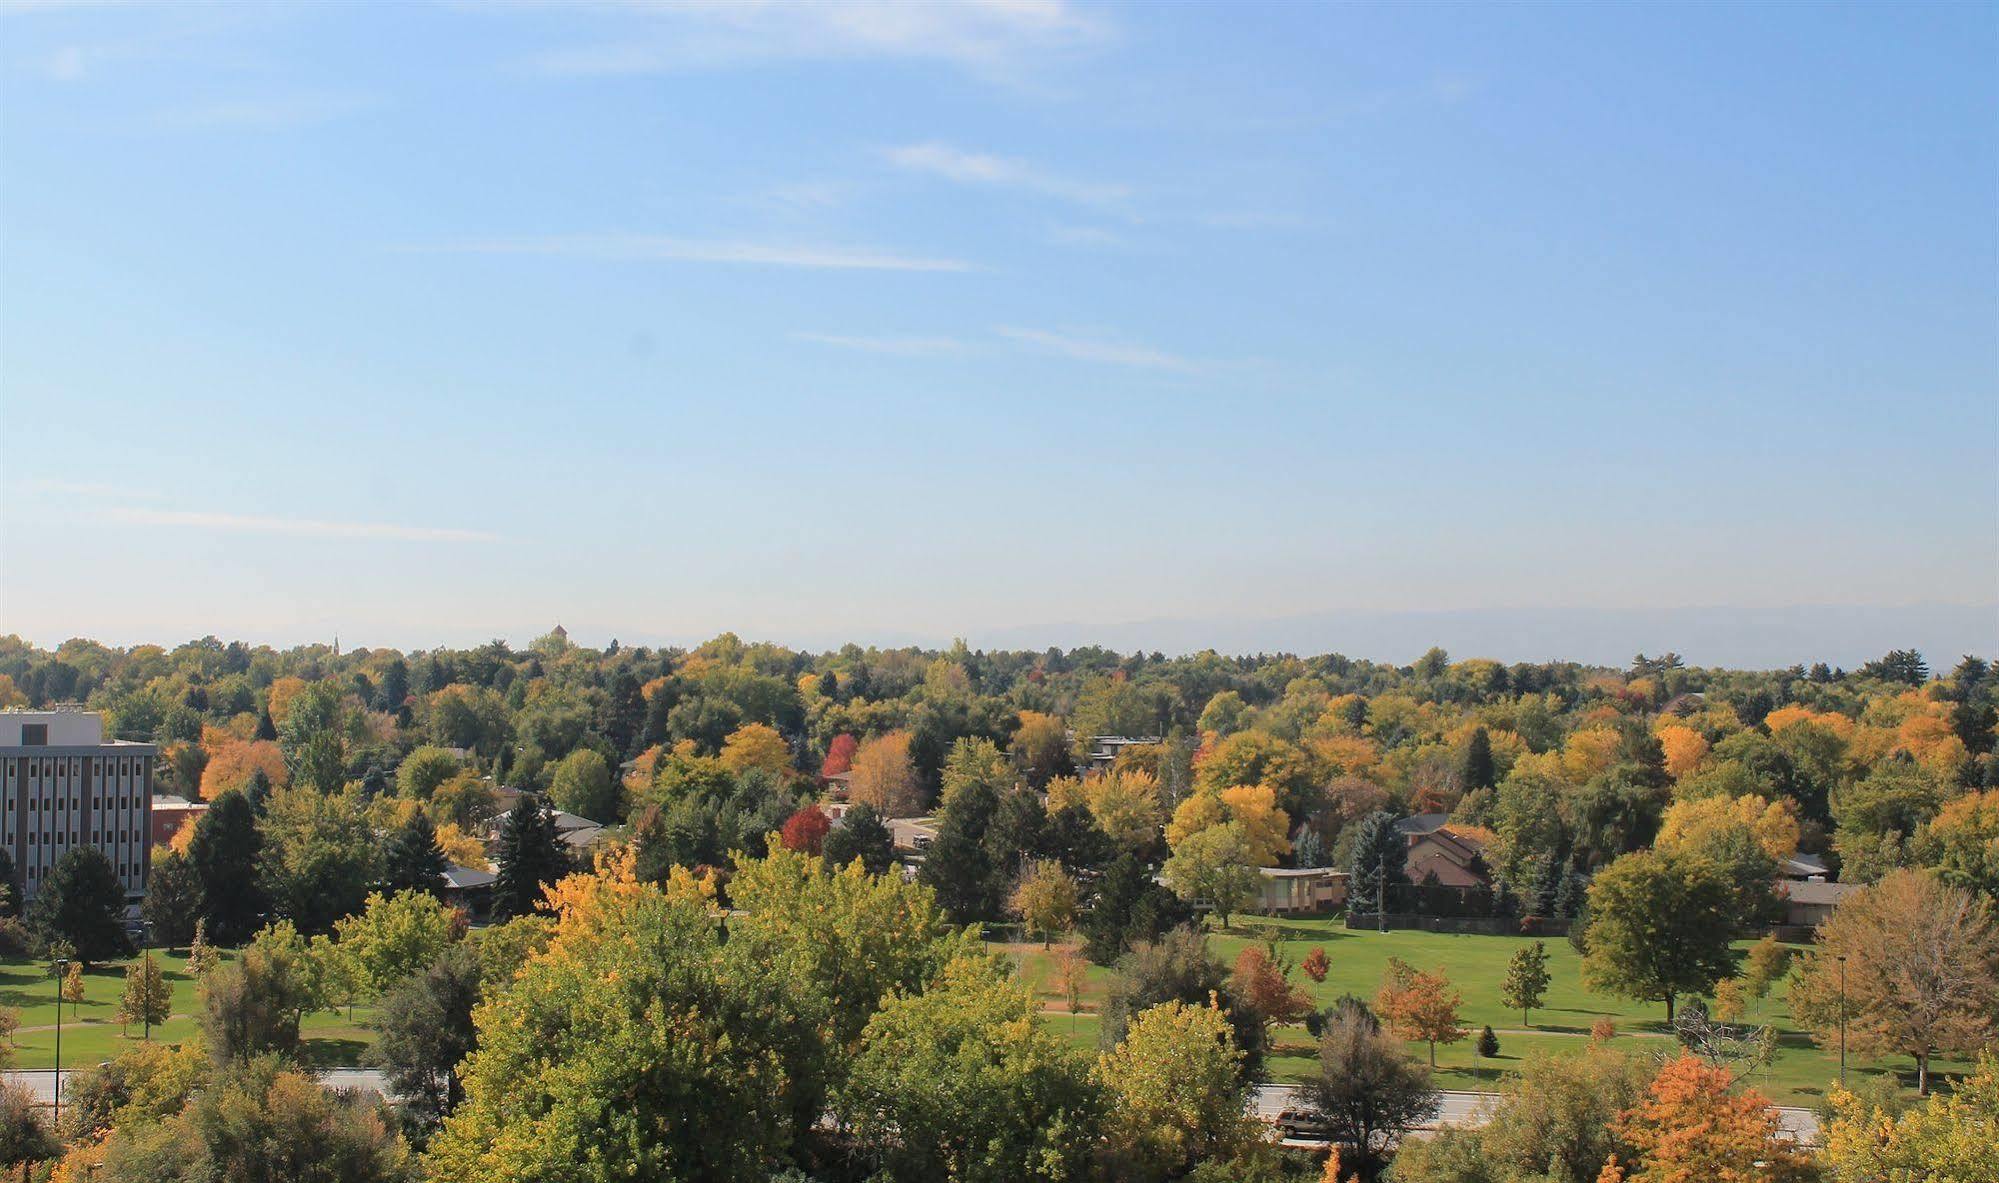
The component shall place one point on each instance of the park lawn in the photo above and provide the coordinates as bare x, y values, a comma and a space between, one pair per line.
1476, 965
91, 1032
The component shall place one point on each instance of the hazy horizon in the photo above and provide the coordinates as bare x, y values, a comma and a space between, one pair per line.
1776, 638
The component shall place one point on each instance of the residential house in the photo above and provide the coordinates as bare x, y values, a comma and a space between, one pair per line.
1105, 749
1809, 903
1301, 889
1452, 856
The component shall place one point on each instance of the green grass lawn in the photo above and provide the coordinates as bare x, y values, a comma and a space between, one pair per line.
91, 1032
1475, 965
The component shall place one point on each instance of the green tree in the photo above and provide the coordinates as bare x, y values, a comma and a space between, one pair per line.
1214, 866
225, 852
412, 860
1475, 766
82, 902
394, 937
957, 865
583, 785
147, 997
1129, 908
639, 1045
1173, 1093
418, 776
173, 899
529, 857
1659, 927
251, 1006
1554, 1122
425, 1030
1366, 1088
318, 856
1526, 982
961, 1082
261, 1122
1379, 853
861, 835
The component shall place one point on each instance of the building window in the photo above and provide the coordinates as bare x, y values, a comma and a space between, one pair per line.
34, 735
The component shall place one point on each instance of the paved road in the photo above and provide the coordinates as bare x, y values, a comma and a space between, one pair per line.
1463, 1108
1459, 1108
41, 1082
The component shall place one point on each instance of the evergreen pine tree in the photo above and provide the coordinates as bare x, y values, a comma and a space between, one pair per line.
1475, 770
957, 864
257, 790
224, 853
862, 835
173, 900
266, 729
1307, 848
413, 860
529, 857
82, 902
1378, 851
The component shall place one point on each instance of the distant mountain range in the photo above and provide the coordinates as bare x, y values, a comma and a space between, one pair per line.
1740, 638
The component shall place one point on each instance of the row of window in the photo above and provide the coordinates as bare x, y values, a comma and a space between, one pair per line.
61, 804
61, 768
97, 837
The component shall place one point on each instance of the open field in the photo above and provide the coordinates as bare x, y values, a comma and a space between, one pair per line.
91, 1032
1475, 965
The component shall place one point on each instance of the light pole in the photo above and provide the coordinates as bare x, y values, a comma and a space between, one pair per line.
1381, 887
62, 972
1842, 1020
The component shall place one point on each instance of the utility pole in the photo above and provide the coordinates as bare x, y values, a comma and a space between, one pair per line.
1842, 1020
62, 971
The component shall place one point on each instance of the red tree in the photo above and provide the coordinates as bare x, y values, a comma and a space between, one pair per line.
805, 830
839, 755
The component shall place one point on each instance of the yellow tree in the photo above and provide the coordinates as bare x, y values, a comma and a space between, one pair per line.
1045, 900
1125, 806
72, 986
1951, 1138
1253, 808
755, 745
1692, 1128
884, 776
1417, 1005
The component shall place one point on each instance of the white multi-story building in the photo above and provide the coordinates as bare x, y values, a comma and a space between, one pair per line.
63, 785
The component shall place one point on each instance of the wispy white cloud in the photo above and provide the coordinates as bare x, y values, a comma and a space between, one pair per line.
299, 527
1090, 349
650, 248
265, 113
1085, 236
91, 489
898, 346
978, 168
992, 37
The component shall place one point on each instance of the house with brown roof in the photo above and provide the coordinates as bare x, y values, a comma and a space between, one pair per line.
1453, 856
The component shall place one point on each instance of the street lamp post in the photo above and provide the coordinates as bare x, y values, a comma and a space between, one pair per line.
62, 972
1381, 888
1842, 1020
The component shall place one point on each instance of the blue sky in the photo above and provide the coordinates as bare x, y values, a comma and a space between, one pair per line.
432, 323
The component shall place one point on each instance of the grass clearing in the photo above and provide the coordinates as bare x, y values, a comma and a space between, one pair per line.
1476, 965
91, 1032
